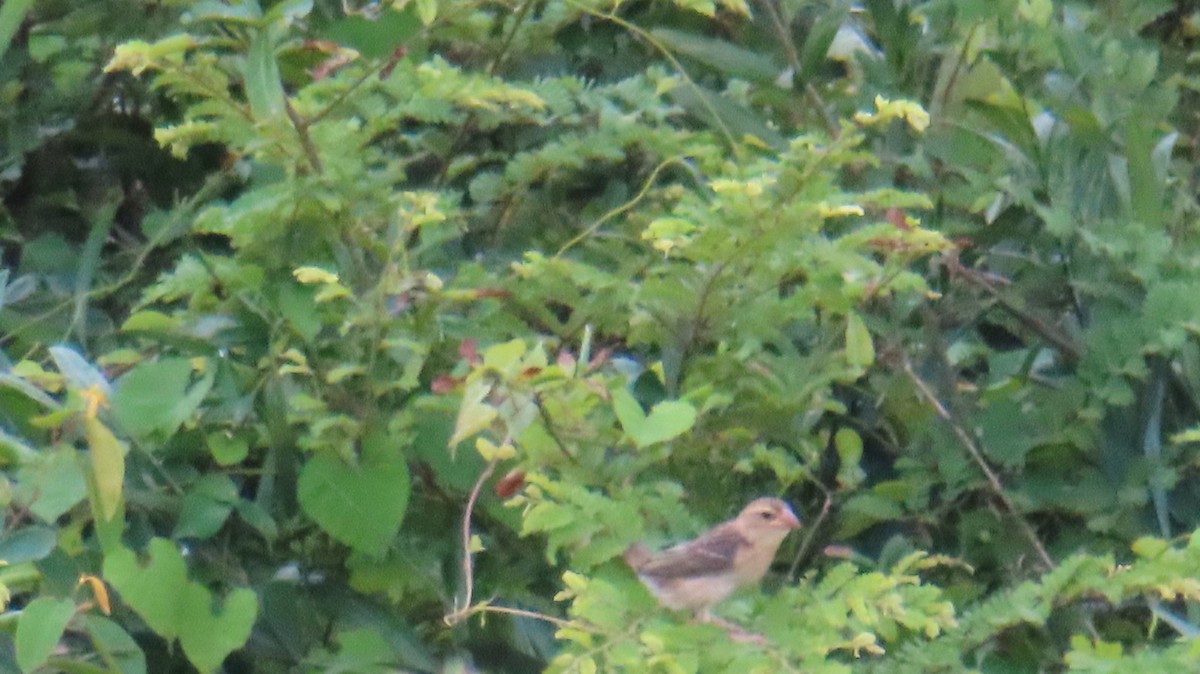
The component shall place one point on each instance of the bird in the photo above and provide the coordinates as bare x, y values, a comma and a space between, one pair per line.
696, 575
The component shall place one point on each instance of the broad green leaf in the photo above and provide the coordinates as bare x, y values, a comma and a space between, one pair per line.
108, 466
427, 11
207, 638
726, 115
27, 545
12, 13
155, 397
359, 650
43, 47
667, 420
504, 357
206, 506
723, 56
54, 483
213, 10
629, 412
1147, 185
849, 446
860, 351
474, 415
39, 630
154, 591
257, 517
289, 11
150, 321
264, 88
117, 643
378, 38
864, 510
177, 608
228, 449
359, 505
1149, 548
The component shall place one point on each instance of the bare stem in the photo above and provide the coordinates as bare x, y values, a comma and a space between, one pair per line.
464, 611
993, 480
813, 527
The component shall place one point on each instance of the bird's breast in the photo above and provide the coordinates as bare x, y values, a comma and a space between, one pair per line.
692, 593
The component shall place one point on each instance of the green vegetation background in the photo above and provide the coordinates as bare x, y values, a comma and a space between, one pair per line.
363, 337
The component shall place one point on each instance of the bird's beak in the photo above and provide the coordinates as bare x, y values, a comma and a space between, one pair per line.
789, 519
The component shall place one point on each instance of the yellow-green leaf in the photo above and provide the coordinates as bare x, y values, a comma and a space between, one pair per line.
108, 466
860, 351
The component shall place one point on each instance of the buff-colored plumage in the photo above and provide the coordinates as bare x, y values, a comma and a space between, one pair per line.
697, 574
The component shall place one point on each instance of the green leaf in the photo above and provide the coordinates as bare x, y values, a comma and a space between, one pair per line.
723, 56
154, 397
378, 38
860, 351
289, 11
228, 449
206, 506
474, 415
54, 482
177, 608
427, 11
115, 641
150, 321
27, 545
258, 517
212, 10
504, 357
264, 88
108, 466
39, 630
668, 419
731, 116
849, 447
360, 650
359, 505
12, 13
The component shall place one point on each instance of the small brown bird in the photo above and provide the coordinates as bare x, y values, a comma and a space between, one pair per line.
697, 574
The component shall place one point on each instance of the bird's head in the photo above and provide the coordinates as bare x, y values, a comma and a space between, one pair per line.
768, 518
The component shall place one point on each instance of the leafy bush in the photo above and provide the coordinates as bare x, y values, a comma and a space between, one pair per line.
404, 321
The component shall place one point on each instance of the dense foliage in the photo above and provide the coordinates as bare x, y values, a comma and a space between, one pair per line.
364, 338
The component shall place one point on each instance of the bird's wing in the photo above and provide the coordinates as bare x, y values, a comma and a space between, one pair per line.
709, 555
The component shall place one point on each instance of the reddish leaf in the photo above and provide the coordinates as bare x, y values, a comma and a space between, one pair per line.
468, 350
896, 217
510, 483
484, 293
443, 384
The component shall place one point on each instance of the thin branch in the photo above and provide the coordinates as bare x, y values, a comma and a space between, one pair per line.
813, 528
310, 150
485, 607
993, 480
666, 53
550, 430
522, 13
646, 186
793, 58
345, 94
460, 613
1069, 349
466, 609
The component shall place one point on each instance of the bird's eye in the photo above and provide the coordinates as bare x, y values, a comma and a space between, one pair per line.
767, 515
